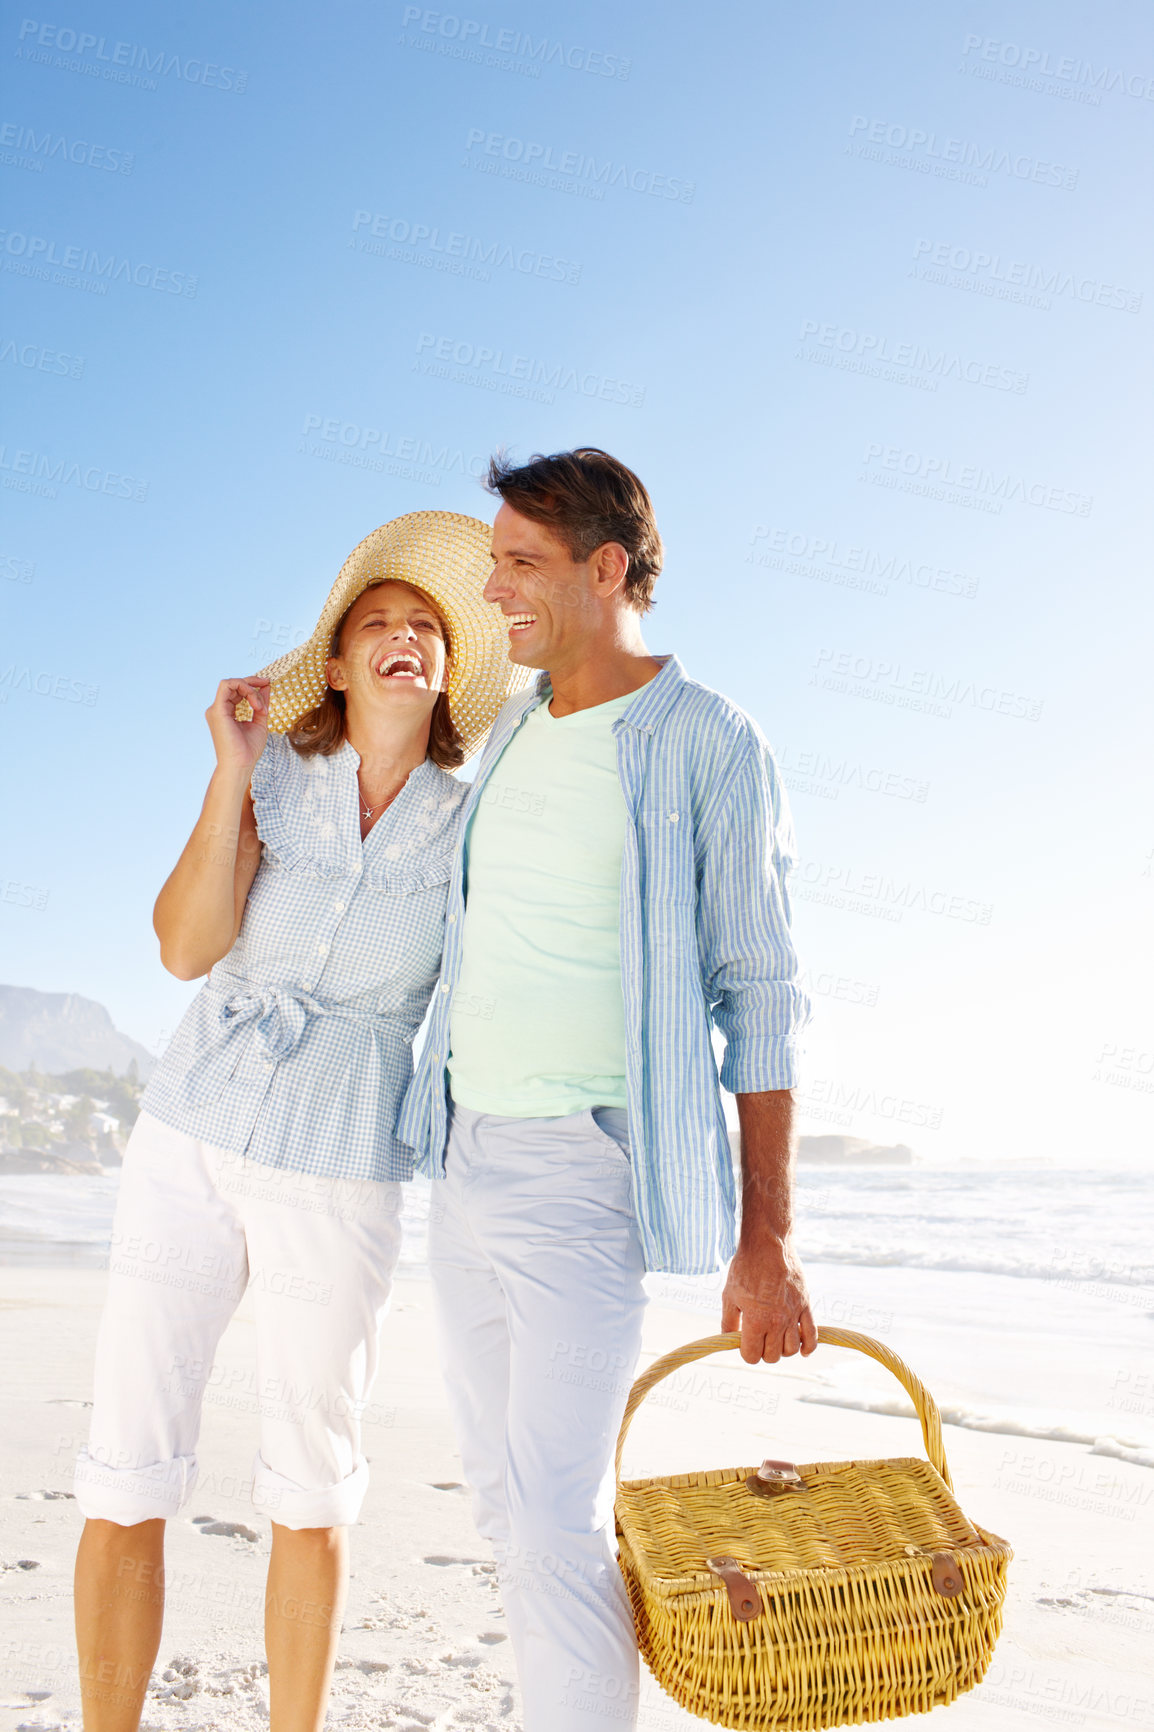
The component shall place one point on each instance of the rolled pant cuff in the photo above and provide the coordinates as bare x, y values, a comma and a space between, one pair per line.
127, 1495
290, 1505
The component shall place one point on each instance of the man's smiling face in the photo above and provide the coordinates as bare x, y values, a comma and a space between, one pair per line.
545, 594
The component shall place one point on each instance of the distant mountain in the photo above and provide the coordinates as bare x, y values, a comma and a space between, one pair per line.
59, 1031
836, 1151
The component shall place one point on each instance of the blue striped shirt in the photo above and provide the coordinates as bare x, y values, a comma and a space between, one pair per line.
705, 936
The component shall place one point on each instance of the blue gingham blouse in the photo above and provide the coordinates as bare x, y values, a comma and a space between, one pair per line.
297, 1050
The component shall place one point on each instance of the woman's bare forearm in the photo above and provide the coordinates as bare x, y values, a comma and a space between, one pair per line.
199, 911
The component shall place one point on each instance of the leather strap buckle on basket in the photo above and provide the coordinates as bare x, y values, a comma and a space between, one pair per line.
774, 1477
792, 1597
743, 1596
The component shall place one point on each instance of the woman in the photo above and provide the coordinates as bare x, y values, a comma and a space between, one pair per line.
312, 892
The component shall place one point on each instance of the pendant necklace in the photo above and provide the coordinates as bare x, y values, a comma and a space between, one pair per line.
367, 811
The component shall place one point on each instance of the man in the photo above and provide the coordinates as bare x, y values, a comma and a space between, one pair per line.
622, 877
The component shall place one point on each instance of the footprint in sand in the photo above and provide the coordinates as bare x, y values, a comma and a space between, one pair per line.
231, 1530
45, 1496
447, 1485
182, 1680
441, 1560
33, 1699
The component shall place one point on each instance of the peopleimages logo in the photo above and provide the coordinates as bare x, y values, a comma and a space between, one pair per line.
842, 987
851, 565
447, 249
31, 255
23, 895
513, 375
816, 772
122, 60
937, 474
532, 158
385, 452
471, 34
53, 146
933, 153
1069, 68
38, 359
872, 352
880, 680
64, 689
851, 1098
877, 894
36, 472
1011, 279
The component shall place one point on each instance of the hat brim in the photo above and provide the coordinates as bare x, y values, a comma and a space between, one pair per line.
448, 556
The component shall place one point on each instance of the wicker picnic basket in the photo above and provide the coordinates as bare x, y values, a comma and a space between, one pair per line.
803, 1597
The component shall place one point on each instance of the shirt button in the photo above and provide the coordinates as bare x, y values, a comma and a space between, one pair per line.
452, 920
322, 949
674, 816
444, 987
339, 907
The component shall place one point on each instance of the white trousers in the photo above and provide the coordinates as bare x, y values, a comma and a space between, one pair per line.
194, 1227
537, 1267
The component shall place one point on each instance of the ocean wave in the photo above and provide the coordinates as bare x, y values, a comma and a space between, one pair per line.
1123, 1452
1075, 1267
968, 1419
1079, 1232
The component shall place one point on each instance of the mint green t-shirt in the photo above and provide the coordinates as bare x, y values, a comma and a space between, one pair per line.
537, 1022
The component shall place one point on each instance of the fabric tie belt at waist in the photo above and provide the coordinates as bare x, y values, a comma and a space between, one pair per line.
281, 1012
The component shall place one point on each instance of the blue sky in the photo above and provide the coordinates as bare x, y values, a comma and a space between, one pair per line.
864, 296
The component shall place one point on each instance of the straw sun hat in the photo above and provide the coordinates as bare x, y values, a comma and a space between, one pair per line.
447, 556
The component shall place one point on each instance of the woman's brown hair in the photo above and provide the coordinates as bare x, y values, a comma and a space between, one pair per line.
322, 729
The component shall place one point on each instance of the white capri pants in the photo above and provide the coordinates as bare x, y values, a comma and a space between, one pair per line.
194, 1227
537, 1277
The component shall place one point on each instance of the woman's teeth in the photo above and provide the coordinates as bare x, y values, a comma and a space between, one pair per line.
400, 662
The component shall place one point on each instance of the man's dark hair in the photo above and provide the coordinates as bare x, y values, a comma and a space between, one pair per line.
587, 498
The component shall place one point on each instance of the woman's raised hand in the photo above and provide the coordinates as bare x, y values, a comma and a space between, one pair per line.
239, 743
200, 908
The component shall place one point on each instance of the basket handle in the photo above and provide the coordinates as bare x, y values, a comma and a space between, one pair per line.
924, 1404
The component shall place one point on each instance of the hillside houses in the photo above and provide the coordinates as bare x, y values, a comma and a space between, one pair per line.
75, 1122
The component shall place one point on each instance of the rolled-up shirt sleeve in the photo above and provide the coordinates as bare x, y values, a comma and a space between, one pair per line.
749, 965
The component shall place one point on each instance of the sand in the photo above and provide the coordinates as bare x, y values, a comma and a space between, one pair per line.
423, 1643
